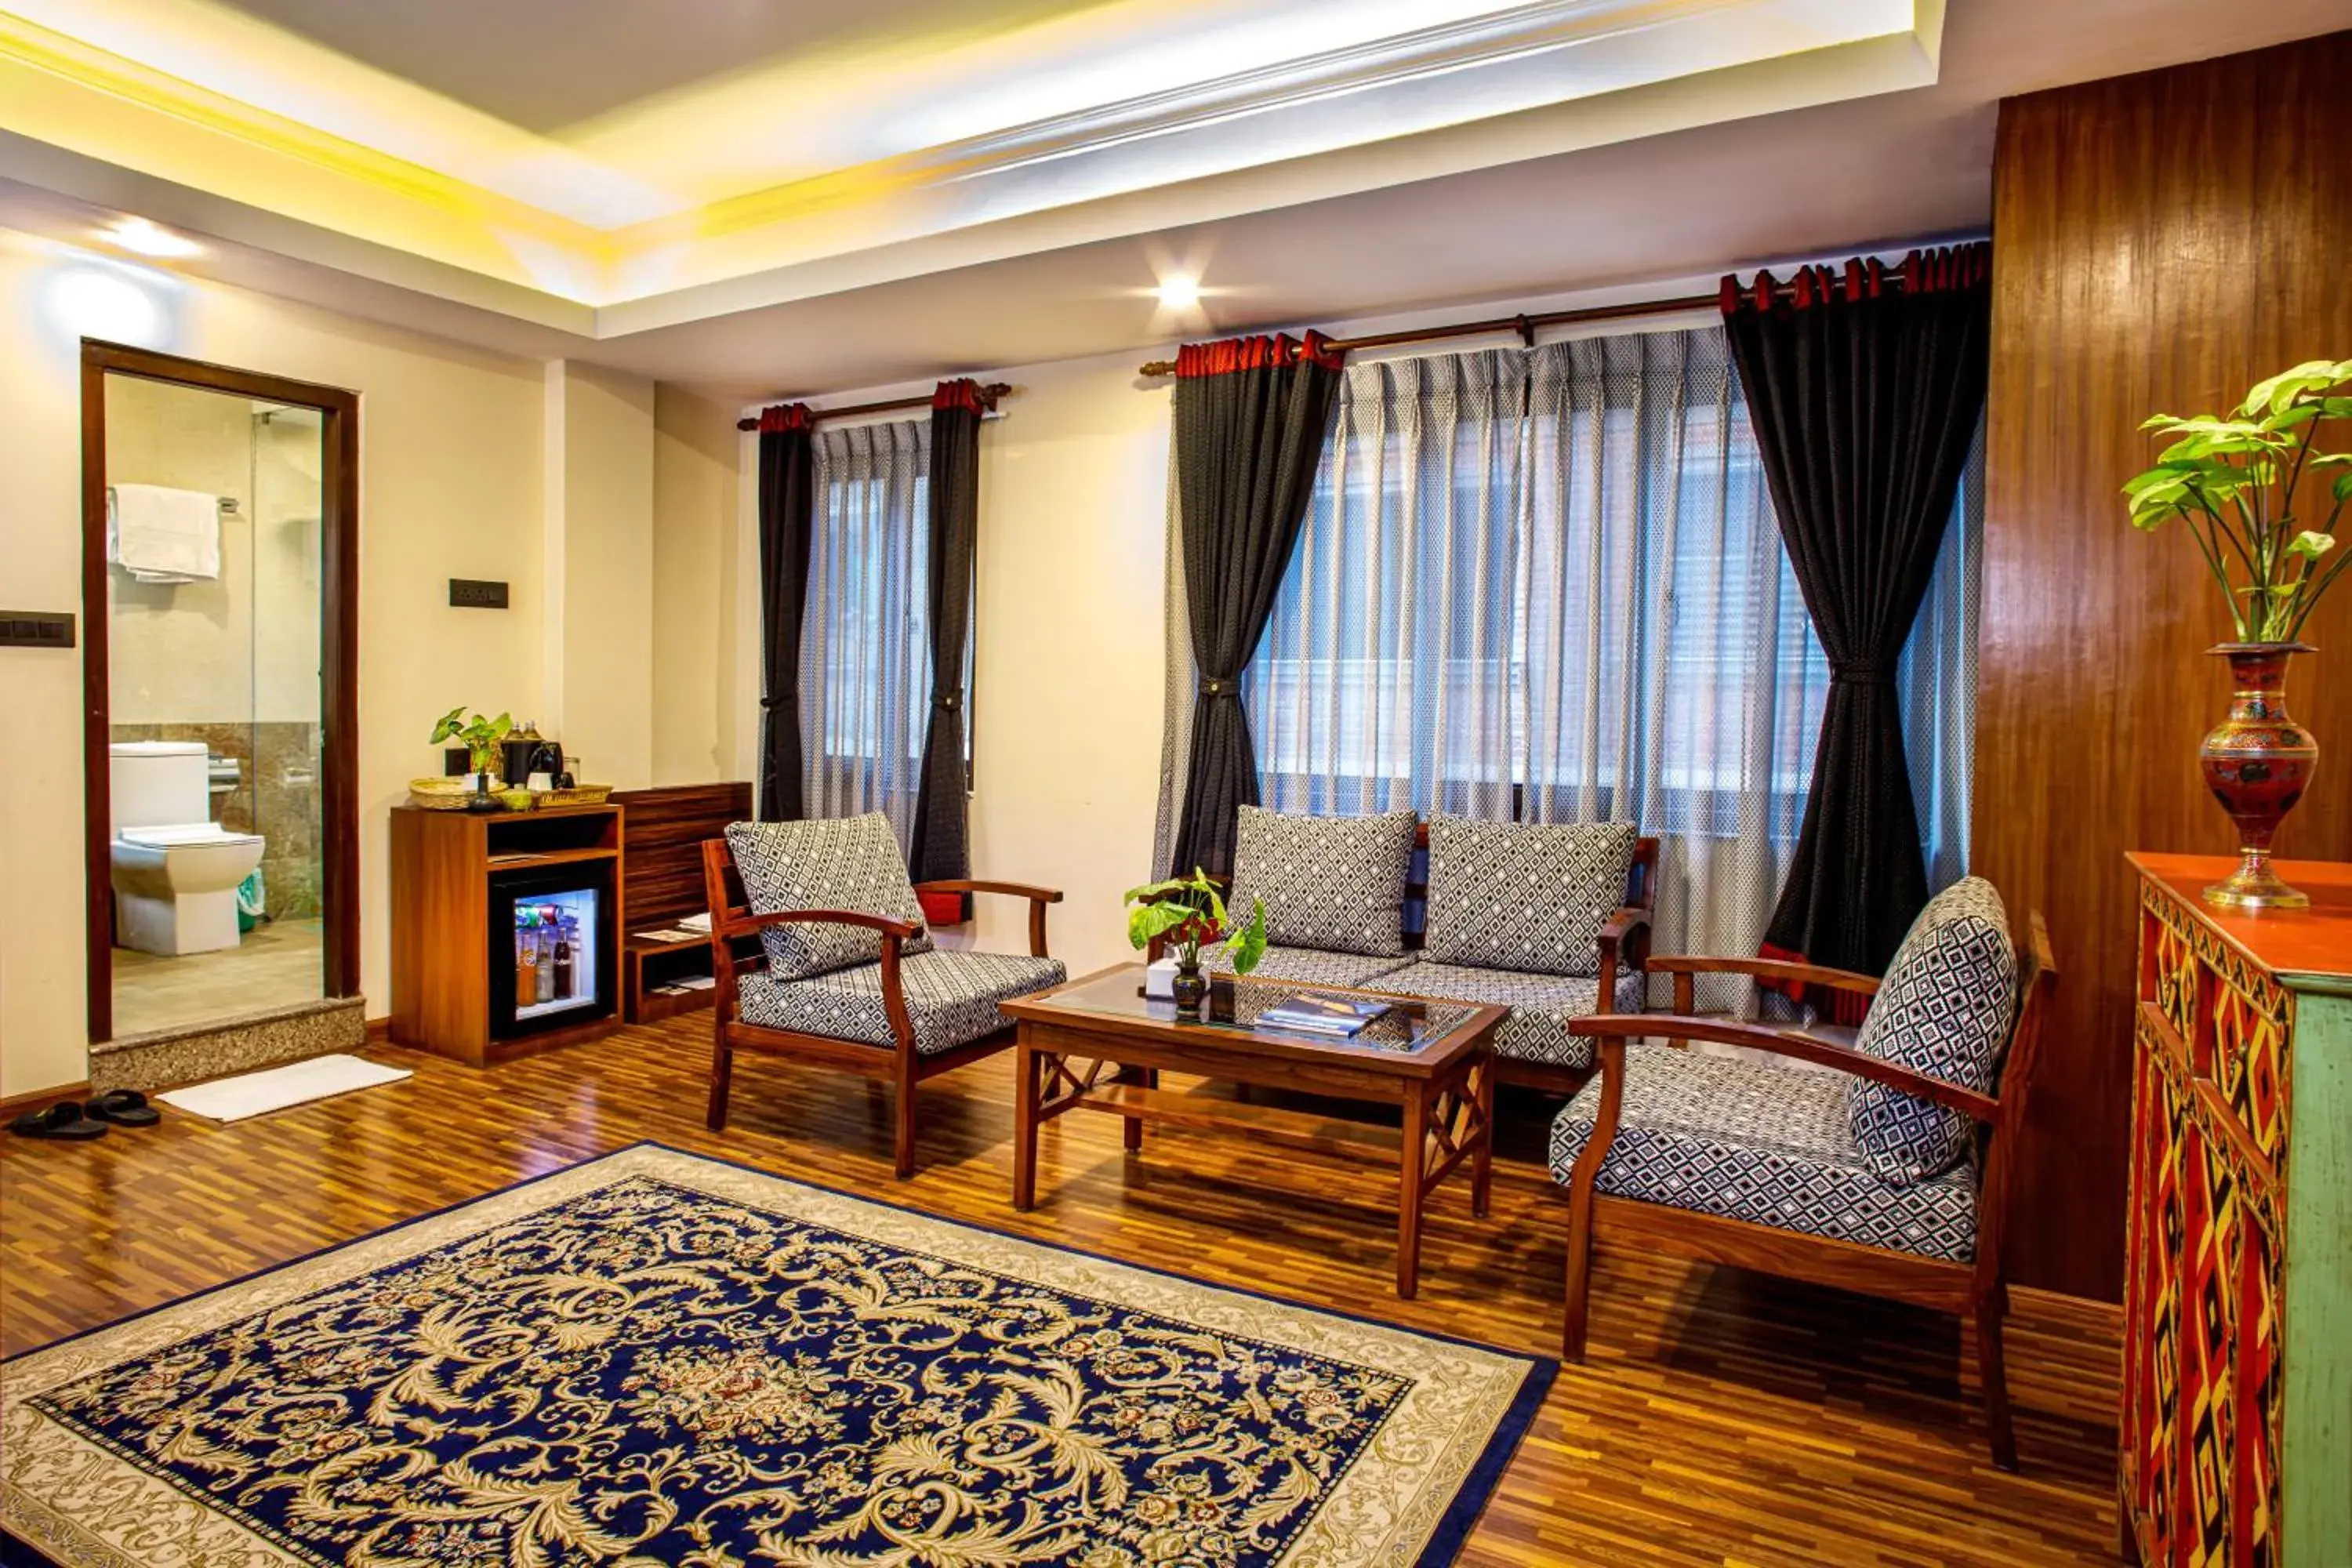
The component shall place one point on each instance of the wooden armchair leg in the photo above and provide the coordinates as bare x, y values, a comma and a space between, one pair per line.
722, 1072
1992, 1370
903, 1137
1579, 1275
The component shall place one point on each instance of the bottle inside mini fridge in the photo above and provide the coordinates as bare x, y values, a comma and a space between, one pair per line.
526, 954
566, 935
547, 918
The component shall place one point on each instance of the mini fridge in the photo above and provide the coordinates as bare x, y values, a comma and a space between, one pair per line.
553, 947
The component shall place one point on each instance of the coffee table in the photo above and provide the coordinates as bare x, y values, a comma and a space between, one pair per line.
1429, 1058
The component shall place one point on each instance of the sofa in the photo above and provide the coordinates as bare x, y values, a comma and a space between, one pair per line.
1551, 921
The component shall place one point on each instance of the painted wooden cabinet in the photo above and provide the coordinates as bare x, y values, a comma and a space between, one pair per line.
2236, 1430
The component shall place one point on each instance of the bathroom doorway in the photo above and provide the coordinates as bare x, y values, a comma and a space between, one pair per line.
220, 522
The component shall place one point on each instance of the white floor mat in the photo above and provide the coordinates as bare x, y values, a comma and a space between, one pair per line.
298, 1083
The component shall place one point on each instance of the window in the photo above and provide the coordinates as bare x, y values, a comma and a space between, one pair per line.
866, 663
1549, 585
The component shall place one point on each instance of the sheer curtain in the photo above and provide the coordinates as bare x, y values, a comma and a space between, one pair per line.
1385, 678
1549, 585
864, 639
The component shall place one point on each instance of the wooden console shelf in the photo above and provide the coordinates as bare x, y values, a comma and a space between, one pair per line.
447, 868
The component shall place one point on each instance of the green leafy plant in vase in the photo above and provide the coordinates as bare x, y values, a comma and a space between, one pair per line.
480, 736
1190, 913
2234, 483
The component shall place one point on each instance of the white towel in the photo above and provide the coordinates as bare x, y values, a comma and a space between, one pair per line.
163, 535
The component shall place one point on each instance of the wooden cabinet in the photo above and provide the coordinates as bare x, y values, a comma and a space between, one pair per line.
456, 880
2236, 1430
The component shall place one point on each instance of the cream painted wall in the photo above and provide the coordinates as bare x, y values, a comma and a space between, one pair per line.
603, 708
696, 454
451, 481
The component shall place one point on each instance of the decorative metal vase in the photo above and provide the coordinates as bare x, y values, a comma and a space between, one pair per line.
2258, 762
1190, 987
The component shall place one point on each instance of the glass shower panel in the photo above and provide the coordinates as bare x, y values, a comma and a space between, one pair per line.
214, 611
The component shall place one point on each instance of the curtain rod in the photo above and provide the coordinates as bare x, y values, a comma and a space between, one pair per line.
988, 396
1524, 326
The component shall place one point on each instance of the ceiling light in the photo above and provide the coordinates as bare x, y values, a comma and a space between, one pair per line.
136, 234
1179, 291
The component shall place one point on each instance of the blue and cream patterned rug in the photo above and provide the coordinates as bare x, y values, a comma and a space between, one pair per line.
655, 1358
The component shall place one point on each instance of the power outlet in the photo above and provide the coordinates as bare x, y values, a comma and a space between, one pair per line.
466, 594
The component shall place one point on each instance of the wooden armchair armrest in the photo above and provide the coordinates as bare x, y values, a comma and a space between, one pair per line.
1609, 1028
1624, 944
738, 924
1014, 889
1038, 898
1682, 966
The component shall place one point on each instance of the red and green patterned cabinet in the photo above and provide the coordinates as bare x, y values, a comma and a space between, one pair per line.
2236, 1430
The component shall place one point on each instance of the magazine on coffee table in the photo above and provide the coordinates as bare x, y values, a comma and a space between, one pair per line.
1340, 1017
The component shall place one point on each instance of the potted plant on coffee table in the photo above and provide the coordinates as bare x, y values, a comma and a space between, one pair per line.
1190, 914
2235, 483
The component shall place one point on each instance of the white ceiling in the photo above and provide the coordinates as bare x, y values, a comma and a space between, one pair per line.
1687, 174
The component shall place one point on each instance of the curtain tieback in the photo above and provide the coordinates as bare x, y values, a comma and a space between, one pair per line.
947, 701
782, 699
1863, 672
1231, 691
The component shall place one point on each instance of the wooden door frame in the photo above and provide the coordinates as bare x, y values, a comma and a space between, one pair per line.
339, 534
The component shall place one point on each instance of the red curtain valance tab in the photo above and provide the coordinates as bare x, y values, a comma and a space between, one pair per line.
1227, 355
1946, 268
784, 416
962, 392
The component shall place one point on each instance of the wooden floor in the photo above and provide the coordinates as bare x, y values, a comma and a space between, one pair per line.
1723, 1418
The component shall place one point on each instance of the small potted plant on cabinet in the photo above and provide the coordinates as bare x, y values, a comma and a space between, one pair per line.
2234, 483
481, 737
1190, 914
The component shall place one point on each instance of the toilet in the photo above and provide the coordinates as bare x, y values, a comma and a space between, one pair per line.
175, 869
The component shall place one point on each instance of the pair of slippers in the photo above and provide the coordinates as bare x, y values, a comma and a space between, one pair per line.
74, 1121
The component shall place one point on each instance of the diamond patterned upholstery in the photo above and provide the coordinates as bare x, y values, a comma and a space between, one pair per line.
1540, 1004
1944, 1010
951, 997
848, 863
1335, 884
1307, 965
1756, 1143
1522, 895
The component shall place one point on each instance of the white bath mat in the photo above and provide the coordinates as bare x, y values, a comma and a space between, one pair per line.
298, 1083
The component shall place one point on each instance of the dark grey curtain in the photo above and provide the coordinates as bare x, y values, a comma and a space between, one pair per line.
939, 847
1252, 415
787, 494
1865, 386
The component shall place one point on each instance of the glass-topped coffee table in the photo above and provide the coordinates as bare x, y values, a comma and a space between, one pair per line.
1100, 1043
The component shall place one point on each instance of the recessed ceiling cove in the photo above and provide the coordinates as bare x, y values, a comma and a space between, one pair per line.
657, 164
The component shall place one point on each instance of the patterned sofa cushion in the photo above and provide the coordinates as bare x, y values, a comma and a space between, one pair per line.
951, 997
1944, 1009
1306, 966
1540, 1004
1332, 883
1756, 1144
850, 863
1522, 895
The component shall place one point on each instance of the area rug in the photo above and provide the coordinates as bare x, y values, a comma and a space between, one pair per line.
655, 1358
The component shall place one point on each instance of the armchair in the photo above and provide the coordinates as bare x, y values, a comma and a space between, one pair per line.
853, 988
1819, 1176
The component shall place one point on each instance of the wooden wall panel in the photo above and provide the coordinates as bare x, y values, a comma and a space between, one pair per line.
2160, 242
